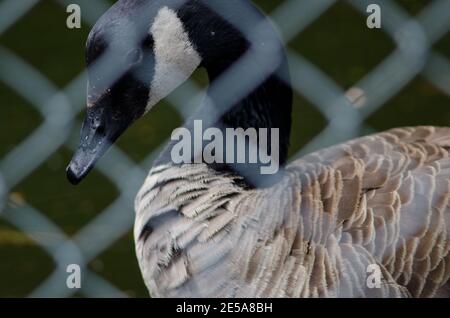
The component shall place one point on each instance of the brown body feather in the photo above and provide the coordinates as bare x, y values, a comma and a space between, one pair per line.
381, 199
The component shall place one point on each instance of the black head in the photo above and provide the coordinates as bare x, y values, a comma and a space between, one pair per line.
141, 50
136, 54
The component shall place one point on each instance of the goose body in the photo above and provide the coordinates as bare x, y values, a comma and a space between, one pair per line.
381, 199
367, 218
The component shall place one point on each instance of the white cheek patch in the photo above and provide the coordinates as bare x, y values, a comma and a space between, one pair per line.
175, 57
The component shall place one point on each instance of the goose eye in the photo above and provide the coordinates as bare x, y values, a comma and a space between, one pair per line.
134, 56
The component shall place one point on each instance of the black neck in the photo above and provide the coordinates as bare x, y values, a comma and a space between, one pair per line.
266, 105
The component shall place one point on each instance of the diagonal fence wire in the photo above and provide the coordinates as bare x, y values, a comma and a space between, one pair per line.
413, 38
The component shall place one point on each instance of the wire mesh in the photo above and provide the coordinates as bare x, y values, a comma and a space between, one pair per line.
413, 54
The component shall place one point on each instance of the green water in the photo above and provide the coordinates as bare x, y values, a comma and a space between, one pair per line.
338, 43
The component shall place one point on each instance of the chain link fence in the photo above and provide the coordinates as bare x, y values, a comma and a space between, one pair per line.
345, 112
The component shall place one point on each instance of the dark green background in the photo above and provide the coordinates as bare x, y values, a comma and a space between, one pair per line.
338, 42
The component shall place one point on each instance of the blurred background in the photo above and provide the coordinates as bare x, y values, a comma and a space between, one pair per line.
45, 222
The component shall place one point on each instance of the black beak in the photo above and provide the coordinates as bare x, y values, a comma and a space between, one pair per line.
101, 128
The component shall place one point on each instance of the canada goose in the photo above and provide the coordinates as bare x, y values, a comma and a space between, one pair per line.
319, 229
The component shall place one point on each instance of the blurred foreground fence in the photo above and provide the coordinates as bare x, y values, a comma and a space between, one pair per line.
413, 55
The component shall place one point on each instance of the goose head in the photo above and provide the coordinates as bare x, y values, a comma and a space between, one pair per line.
138, 52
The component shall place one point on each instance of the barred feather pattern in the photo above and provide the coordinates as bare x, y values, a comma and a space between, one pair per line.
381, 200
